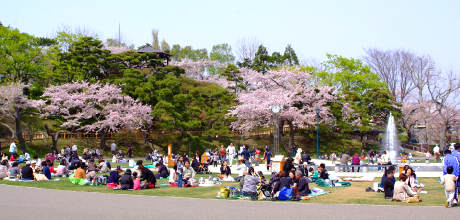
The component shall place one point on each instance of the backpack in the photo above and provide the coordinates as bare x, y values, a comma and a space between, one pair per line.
102, 180
285, 194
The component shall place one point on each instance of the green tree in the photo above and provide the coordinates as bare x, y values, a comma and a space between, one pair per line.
290, 57
262, 61
232, 74
165, 46
188, 52
221, 53
21, 58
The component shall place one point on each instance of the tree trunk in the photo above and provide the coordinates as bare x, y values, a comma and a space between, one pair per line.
103, 138
286, 148
291, 133
17, 120
54, 137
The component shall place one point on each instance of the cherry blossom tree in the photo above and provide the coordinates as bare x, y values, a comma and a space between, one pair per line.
289, 87
14, 104
102, 106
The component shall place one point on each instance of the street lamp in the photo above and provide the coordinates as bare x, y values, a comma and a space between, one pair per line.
276, 109
317, 132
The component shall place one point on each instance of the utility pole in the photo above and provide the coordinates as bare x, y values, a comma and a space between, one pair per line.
119, 34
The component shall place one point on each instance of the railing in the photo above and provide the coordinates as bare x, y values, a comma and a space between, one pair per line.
140, 135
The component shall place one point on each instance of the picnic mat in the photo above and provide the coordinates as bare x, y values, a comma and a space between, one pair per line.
147, 166
362, 179
316, 192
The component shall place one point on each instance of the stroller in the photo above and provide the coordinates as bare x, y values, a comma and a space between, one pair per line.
265, 189
204, 167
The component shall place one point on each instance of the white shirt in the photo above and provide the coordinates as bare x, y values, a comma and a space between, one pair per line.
74, 148
231, 150
113, 147
436, 149
242, 168
27, 156
13, 147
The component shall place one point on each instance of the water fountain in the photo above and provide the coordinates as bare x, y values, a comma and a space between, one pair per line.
391, 140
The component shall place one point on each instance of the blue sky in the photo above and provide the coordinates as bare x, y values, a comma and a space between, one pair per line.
313, 28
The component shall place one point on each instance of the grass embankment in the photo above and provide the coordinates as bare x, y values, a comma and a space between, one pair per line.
355, 194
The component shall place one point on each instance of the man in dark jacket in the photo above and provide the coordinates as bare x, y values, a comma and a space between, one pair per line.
388, 185
305, 157
115, 175
392, 169
302, 186
245, 154
304, 169
126, 180
195, 164
27, 172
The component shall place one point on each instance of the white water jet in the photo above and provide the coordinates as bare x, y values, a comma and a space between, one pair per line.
391, 141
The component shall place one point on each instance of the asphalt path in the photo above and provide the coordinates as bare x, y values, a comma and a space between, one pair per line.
32, 203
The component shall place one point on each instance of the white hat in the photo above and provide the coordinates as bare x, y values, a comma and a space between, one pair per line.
305, 163
33, 161
28, 163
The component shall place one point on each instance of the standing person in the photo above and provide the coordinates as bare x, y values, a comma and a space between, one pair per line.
436, 153
293, 150
450, 160
67, 150
215, 156
113, 148
344, 161
456, 154
385, 159
180, 171
449, 182
355, 161
74, 149
267, 157
13, 148
231, 153
446, 147
130, 151
379, 162
222, 154
333, 157
371, 155
245, 154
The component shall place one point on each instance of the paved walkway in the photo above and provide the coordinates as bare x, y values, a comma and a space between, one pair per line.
31, 203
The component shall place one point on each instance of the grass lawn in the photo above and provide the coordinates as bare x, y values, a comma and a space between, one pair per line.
355, 194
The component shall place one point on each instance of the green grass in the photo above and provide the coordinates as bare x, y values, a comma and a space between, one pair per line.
355, 194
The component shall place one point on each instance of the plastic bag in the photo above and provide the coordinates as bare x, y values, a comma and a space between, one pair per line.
285, 194
224, 191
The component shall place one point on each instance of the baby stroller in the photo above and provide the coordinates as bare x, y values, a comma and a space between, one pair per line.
265, 189
204, 167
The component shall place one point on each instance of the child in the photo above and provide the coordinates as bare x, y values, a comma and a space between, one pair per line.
448, 181
261, 176
314, 174
180, 171
136, 181
379, 162
333, 157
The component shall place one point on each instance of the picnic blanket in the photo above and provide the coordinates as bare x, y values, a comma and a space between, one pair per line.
146, 166
321, 182
361, 179
316, 192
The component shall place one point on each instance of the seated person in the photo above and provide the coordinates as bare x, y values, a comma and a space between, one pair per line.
26, 156
304, 169
14, 171
302, 185
136, 182
242, 169
250, 182
92, 166
388, 185
115, 175
323, 174
127, 181
402, 191
392, 169
78, 178
188, 172
162, 171
27, 172
62, 169
115, 158
51, 166
4, 169
195, 164
46, 170
147, 175
283, 182
293, 178
225, 171
136, 168
314, 174
411, 180
103, 168
13, 158
35, 168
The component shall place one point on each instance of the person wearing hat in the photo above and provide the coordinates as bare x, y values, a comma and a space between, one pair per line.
27, 172
13, 148
344, 161
304, 169
115, 175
